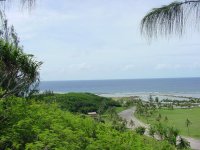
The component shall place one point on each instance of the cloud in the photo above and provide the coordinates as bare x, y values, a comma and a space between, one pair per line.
128, 67
185, 66
80, 67
167, 66
195, 65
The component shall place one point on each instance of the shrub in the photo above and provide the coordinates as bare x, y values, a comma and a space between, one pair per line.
79, 102
140, 130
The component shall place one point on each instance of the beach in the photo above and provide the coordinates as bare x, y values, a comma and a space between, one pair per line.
145, 95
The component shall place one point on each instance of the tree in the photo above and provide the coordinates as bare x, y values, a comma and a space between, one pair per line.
4, 31
147, 115
156, 99
188, 123
19, 72
183, 143
159, 117
152, 131
166, 119
112, 112
132, 123
170, 19
140, 130
150, 99
172, 134
160, 130
7, 32
159, 105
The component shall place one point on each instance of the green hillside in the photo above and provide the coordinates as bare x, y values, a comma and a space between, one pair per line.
34, 125
79, 102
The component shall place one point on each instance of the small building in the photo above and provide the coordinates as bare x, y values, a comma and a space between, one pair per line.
92, 114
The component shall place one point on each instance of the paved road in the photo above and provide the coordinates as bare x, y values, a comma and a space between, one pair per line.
129, 115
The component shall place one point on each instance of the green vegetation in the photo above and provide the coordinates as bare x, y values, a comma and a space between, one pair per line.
79, 102
120, 109
171, 134
18, 71
161, 127
125, 102
140, 130
45, 121
177, 118
59, 121
33, 124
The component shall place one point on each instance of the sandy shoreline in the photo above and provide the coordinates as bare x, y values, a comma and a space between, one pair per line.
145, 95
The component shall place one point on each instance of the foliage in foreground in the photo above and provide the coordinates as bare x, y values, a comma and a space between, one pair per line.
19, 72
38, 125
170, 19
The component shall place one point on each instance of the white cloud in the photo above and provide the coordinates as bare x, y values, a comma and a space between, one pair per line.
80, 67
128, 67
167, 66
185, 66
195, 65
161, 66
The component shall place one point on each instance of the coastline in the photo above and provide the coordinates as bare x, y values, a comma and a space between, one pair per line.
161, 95
143, 95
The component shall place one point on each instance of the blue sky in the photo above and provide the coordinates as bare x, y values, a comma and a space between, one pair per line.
100, 39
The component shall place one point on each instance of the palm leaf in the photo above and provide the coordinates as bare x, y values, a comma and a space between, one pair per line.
28, 3
170, 19
24, 3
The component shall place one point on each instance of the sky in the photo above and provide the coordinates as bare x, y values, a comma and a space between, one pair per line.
100, 39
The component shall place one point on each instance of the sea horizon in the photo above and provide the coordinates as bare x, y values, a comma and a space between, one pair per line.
118, 79
182, 87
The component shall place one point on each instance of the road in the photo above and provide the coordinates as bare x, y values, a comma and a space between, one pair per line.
128, 115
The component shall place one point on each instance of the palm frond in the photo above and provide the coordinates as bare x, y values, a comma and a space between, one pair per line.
170, 19
28, 3
24, 3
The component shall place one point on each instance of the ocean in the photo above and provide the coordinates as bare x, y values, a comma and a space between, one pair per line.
181, 87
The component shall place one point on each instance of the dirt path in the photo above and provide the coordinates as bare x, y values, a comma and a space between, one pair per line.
129, 115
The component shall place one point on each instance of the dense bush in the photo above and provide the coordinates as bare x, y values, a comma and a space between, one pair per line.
79, 102
140, 130
37, 125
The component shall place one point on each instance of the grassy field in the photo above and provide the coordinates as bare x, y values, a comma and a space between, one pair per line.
177, 118
120, 109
